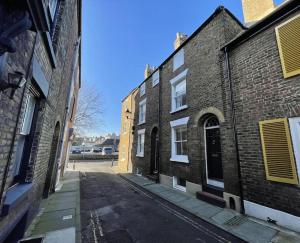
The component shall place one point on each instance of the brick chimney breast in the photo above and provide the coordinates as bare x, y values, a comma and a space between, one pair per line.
148, 71
255, 10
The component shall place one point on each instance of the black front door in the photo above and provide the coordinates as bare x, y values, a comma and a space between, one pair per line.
214, 156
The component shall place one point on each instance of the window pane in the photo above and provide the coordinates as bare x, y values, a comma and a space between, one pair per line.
184, 148
184, 133
178, 148
19, 154
28, 115
177, 134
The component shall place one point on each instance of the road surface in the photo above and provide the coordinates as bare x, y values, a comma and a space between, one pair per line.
114, 210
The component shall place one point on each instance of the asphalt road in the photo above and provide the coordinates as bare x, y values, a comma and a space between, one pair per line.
113, 210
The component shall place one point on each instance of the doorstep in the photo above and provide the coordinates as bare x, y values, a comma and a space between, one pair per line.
242, 226
59, 216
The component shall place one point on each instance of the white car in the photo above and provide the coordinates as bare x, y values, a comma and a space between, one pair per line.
107, 150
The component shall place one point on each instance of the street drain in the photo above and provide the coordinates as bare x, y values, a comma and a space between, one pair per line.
235, 221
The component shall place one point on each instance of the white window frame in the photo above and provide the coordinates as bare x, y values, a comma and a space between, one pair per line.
155, 78
29, 111
174, 156
142, 103
295, 134
52, 8
178, 59
140, 150
143, 89
174, 82
176, 186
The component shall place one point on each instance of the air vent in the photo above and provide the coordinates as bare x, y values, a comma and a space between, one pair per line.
288, 40
277, 151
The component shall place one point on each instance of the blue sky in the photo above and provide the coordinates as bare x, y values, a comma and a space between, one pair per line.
121, 36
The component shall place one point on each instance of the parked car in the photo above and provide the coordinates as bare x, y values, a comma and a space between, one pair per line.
76, 150
97, 150
107, 150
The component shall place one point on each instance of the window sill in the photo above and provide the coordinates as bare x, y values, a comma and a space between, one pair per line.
15, 196
180, 158
141, 123
49, 47
179, 109
153, 85
140, 155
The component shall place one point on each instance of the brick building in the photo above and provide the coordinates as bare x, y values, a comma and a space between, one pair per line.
219, 117
39, 44
264, 68
175, 109
126, 133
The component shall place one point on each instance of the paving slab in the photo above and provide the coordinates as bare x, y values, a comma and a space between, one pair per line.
207, 210
254, 232
223, 216
286, 238
65, 236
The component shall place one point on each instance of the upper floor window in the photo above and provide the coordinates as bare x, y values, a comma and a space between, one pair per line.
142, 112
52, 8
288, 40
178, 85
178, 59
143, 89
155, 78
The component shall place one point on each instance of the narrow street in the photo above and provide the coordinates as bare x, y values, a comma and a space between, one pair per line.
113, 210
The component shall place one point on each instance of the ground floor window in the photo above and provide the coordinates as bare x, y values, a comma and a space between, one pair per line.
141, 141
179, 148
25, 140
179, 183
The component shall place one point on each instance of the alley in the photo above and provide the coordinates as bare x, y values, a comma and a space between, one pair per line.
112, 210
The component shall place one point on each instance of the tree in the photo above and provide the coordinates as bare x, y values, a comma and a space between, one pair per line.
89, 110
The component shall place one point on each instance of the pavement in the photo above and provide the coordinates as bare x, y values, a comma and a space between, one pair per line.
244, 227
59, 217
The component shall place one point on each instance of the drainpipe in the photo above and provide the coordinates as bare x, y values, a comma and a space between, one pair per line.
232, 106
159, 122
11, 149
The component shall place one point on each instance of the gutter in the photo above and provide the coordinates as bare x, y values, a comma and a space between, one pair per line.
232, 106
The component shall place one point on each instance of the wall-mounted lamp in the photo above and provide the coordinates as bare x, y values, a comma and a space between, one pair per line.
15, 81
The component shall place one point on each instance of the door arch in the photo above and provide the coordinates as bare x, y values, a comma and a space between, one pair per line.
52, 167
154, 152
213, 152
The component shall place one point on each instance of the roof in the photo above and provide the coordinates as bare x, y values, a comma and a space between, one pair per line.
279, 13
129, 94
218, 10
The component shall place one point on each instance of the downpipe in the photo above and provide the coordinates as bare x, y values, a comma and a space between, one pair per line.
232, 106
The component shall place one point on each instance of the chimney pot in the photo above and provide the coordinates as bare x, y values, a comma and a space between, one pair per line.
180, 38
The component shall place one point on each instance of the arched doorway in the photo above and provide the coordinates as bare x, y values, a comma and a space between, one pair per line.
213, 153
154, 152
52, 168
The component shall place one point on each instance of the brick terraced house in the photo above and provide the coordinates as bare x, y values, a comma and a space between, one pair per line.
219, 117
39, 78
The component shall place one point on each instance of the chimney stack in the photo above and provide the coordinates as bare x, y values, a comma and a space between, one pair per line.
255, 10
148, 71
180, 38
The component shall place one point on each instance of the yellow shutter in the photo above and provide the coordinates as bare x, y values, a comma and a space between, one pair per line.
288, 40
277, 151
